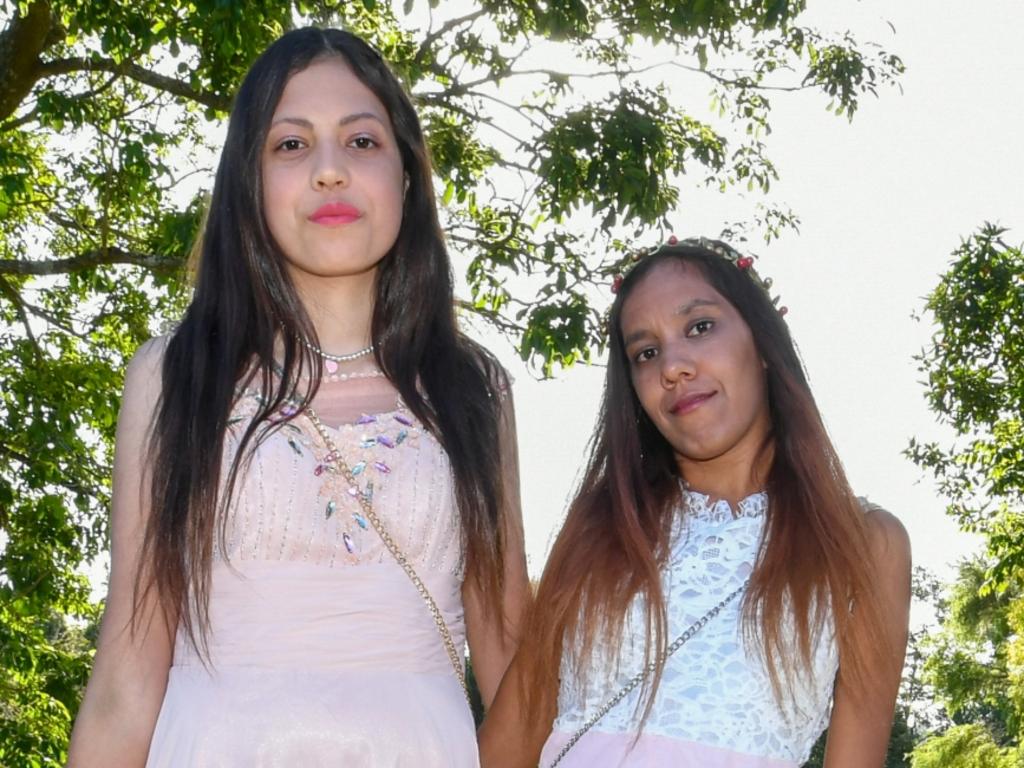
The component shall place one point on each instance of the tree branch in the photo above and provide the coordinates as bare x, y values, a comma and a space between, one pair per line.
741, 81
8, 290
137, 73
55, 321
99, 257
87, 228
26, 461
21, 44
32, 114
466, 88
17, 122
483, 119
458, 89
441, 31
499, 320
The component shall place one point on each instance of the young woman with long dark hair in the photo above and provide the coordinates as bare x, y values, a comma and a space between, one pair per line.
315, 487
717, 596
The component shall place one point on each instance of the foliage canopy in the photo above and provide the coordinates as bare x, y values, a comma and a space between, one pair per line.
540, 121
975, 375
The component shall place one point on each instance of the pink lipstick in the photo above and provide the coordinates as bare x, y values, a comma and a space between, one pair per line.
335, 214
690, 403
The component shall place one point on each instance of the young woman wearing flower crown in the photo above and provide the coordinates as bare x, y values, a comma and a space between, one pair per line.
315, 490
718, 596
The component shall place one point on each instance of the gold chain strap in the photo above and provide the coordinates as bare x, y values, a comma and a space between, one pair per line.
365, 501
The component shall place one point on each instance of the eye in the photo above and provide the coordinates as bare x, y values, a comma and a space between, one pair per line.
645, 354
363, 142
290, 144
700, 327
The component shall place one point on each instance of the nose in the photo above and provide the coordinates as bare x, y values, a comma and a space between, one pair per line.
677, 363
329, 168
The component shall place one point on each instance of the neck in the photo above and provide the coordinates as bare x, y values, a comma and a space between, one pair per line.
341, 310
731, 477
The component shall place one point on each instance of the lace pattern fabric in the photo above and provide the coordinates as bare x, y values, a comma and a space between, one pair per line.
715, 690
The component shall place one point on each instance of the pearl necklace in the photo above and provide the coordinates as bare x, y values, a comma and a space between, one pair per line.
331, 361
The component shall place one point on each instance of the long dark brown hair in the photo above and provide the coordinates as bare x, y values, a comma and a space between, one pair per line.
815, 553
244, 301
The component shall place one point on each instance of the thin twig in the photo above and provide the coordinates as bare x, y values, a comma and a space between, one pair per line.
444, 29
137, 73
11, 293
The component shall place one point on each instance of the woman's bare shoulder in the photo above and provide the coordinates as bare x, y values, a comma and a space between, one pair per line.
887, 536
142, 386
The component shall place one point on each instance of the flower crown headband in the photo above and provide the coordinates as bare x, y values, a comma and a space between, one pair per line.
727, 252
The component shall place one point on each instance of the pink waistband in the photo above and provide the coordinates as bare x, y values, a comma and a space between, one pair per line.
599, 749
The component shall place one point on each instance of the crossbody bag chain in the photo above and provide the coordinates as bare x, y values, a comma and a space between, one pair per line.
365, 501
647, 670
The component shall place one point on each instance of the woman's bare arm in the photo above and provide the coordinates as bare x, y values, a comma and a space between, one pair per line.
511, 737
492, 644
858, 733
129, 676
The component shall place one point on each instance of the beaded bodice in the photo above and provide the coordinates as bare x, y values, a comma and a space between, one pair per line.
715, 690
292, 504
300, 576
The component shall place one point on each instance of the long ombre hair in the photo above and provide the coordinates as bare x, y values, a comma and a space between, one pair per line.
814, 556
244, 301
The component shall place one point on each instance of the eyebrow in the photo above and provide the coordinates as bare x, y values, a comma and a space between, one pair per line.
689, 306
683, 309
348, 119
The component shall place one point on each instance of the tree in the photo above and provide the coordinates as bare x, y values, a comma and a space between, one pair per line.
973, 668
960, 702
968, 665
975, 374
106, 113
964, 746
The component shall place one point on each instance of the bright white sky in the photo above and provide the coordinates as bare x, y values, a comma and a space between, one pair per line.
883, 203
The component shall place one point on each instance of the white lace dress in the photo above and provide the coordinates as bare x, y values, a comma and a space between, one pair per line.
715, 707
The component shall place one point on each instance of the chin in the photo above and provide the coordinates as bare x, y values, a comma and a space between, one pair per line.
703, 451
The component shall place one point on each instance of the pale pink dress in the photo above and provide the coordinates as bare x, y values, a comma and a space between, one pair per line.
321, 652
